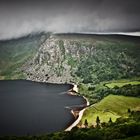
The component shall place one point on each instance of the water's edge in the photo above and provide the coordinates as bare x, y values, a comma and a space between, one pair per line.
74, 92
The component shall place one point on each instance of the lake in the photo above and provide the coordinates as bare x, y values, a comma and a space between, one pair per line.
34, 108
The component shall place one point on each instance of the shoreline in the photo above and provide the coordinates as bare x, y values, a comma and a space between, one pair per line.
73, 92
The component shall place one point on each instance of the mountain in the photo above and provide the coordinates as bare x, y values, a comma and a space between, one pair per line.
85, 58
61, 58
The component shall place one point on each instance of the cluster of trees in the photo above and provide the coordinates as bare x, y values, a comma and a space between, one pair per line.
96, 93
126, 90
108, 62
98, 124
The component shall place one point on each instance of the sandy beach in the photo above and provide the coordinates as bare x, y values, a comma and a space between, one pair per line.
81, 112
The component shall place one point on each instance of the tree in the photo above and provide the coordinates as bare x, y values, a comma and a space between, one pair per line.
97, 121
110, 120
86, 123
129, 111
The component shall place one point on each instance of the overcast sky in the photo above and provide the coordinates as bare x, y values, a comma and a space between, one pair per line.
20, 17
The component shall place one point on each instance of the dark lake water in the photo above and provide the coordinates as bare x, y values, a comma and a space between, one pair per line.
33, 108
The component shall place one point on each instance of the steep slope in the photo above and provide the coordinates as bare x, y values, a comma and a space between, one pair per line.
85, 58
14, 53
64, 58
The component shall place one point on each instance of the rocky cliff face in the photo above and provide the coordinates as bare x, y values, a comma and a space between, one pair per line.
56, 60
84, 58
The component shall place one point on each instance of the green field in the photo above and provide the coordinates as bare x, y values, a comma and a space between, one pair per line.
113, 106
121, 84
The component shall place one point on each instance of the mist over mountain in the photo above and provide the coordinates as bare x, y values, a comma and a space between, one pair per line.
18, 17
54, 51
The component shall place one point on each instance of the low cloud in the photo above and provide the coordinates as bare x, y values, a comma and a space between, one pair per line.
18, 19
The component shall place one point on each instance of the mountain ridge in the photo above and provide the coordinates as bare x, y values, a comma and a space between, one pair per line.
62, 57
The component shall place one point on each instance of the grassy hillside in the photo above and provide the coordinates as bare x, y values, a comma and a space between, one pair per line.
113, 106
14, 53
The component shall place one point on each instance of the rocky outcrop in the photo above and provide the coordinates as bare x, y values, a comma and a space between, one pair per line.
56, 60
